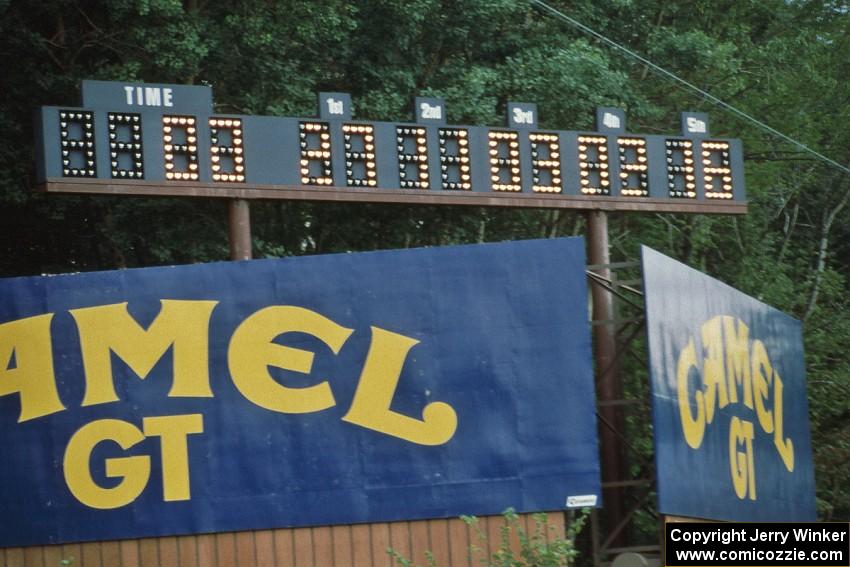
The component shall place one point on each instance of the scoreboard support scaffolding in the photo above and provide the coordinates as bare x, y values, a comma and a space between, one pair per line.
618, 322
608, 380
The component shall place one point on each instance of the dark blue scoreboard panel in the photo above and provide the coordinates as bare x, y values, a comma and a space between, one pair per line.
169, 135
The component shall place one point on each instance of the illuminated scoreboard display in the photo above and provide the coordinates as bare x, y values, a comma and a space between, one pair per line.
146, 139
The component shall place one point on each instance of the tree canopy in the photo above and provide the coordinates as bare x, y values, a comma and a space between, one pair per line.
782, 61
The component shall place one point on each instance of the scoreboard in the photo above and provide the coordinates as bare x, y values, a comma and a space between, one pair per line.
151, 139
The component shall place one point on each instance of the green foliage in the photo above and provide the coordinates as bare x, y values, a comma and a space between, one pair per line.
543, 547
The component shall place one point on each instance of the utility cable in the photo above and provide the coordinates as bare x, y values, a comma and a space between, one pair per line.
660, 70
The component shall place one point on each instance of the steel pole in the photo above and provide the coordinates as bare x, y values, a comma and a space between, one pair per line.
608, 382
239, 229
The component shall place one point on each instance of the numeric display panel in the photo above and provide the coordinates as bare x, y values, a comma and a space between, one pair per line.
545, 163
315, 142
180, 146
412, 152
504, 161
226, 150
454, 159
717, 173
125, 145
593, 165
634, 171
681, 174
360, 165
77, 142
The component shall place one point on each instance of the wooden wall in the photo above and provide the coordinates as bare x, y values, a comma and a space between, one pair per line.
337, 546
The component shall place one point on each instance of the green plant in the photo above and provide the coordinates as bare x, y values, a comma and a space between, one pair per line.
535, 548
404, 562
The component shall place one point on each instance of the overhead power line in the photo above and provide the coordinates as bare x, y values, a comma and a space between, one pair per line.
670, 75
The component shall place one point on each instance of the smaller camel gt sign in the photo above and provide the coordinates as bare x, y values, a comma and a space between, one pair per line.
305, 391
729, 400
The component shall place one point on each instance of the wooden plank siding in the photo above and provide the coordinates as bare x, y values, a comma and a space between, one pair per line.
363, 545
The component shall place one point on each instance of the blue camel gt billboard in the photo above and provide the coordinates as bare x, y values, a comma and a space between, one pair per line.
730, 409
293, 392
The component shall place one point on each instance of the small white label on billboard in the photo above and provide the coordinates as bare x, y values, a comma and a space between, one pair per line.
581, 501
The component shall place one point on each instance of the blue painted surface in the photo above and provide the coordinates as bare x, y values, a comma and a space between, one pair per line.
699, 481
503, 339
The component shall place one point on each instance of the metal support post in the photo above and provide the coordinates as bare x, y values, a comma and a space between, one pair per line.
239, 229
609, 385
